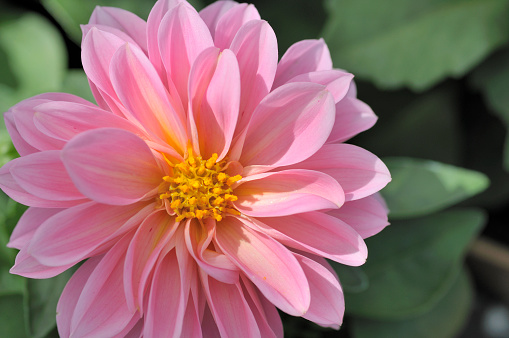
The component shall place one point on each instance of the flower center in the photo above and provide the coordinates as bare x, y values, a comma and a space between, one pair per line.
199, 188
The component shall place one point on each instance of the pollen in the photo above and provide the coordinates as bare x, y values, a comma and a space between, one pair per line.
199, 189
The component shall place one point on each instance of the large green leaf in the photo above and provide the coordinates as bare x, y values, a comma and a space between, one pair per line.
420, 187
413, 263
13, 316
398, 43
444, 320
35, 55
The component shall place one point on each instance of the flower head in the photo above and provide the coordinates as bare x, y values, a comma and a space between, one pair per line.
207, 185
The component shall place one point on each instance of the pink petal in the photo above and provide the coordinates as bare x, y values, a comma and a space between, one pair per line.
133, 330
71, 235
182, 37
28, 224
150, 238
27, 266
198, 236
43, 174
230, 23
64, 120
287, 192
141, 91
22, 146
191, 325
336, 81
71, 294
327, 301
368, 216
318, 233
288, 126
214, 93
11, 187
111, 166
352, 117
302, 57
359, 172
213, 12
104, 28
123, 20
268, 264
167, 302
230, 309
255, 46
101, 310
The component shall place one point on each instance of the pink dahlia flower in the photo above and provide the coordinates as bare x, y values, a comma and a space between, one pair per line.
204, 189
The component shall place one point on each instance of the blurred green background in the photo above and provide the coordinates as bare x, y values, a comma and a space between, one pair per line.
436, 72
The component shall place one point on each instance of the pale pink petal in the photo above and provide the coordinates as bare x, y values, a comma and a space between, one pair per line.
141, 91
230, 309
123, 20
111, 166
150, 238
43, 174
255, 46
359, 172
29, 267
64, 120
287, 192
214, 94
198, 236
368, 216
71, 294
229, 23
11, 187
336, 81
302, 57
21, 146
71, 235
103, 28
213, 12
327, 301
266, 315
288, 126
318, 233
27, 224
182, 37
352, 117
101, 310
167, 301
267, 263
133, 330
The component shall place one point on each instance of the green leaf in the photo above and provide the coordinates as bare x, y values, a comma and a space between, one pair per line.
76, 82
35, 55
444, 320
44, 295
353, 279
398, 43
420, 187
13, 316
413, 263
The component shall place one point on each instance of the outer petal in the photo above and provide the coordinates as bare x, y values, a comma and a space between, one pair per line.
27, 266
327, 301
122, 20
213, 12
336, 81
182, 37
352, 117
22, 147
101, 310
359, 172
111, 166
255, 46
368, 216
268, 264
287, 192
229, 24
288, 126
230, 309
318, 233
28, 224
43, 174
302, 57
72, 234
214, 93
